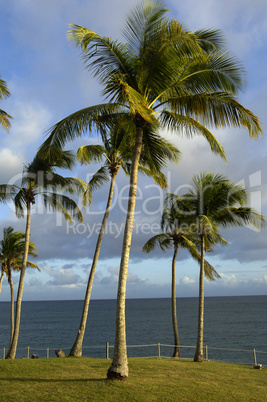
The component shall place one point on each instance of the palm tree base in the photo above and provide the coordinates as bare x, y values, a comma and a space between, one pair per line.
176, 354
116, 375
75, 352
198, 357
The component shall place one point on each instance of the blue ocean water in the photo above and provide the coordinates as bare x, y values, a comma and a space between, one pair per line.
233, 327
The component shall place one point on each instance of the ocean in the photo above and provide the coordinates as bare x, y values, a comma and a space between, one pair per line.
233, 327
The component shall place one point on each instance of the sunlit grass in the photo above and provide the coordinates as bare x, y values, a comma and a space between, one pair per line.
76, 379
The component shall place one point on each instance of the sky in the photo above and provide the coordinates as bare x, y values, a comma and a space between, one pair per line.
48, 81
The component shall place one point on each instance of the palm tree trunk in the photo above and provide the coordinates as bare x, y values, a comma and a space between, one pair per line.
10, 280
176, 352
119, 367
1, 280
76, 349
199, 349
11, 354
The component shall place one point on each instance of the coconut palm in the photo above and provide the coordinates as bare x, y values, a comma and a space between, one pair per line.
164, 76
39, 179
216, 203
117, 154
177, 234
11, 253
4, 117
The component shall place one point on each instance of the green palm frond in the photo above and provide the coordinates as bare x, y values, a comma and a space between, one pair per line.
210, 39
20, 203
219, 71
218, 110
96, 182
79, 123
72, 185
100, 54
64, 205
158, 176
32, 265
162, 240
7, 192
191, 127
4, 116
4, 120
4, 92
90, 153
142, 23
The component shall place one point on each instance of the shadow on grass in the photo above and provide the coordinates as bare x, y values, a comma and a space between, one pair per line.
104, 380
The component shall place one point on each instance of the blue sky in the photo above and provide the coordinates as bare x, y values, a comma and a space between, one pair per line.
48, 81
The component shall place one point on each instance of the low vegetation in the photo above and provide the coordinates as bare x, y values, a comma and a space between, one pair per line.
76, 379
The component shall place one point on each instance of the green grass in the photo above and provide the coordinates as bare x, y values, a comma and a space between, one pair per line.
84, 379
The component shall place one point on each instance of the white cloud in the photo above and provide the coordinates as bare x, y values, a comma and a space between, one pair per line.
30, 122
187, 281
62, 277
10, 164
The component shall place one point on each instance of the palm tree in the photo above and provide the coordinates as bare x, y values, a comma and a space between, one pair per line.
39, 178
177, 234
117, 154
11, 252
216, 203
4, 117
165, 76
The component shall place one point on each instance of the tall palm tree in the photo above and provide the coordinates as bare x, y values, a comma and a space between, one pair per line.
216, 203
11, 253
164, 76
4, 117
39, 179
115, 150
177, 234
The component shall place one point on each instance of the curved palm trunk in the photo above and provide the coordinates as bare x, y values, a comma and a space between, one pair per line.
76, 349
119, 367
176, 352
14, 343
199, 349
1, 280
10, 281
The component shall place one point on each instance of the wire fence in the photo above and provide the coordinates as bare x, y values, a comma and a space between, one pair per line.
156, 350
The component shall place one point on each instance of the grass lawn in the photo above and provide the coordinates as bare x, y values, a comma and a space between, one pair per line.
84, 379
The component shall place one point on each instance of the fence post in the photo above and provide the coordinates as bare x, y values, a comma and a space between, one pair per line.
255, 358
47, 353
107, 350
28, 352
4, 353
159, 350
207, 352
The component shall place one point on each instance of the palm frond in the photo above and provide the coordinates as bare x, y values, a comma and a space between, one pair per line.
4, 120
8, 192
4, 92
218, 110
96, 182
62, 204
210, 39
100, 54
142, 23
79, 123
190, 127
90, 153
162, 240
